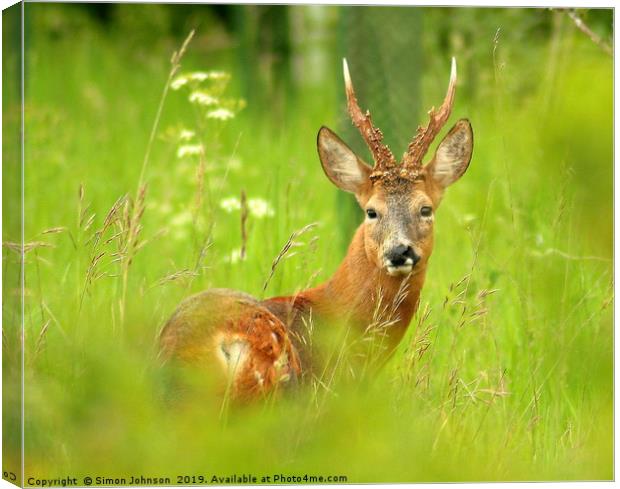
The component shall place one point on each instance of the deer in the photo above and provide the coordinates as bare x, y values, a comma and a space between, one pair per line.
257, 347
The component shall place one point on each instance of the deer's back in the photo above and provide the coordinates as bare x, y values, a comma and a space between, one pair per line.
235, 337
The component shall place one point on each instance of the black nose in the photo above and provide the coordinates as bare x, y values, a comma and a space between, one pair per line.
398, 256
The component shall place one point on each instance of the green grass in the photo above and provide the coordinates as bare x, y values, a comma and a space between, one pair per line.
507, 377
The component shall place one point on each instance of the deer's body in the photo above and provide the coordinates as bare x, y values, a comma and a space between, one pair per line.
261, 345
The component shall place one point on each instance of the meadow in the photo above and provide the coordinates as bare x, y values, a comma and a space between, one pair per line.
133, 195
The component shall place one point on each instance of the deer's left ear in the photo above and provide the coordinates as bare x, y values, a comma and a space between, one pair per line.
453, 155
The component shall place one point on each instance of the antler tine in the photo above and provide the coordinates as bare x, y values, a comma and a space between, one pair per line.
372, 135
425, 135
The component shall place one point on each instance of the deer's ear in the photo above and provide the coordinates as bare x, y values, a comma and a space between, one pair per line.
453, 154
341, 164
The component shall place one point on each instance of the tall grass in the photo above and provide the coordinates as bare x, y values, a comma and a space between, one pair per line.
505, 372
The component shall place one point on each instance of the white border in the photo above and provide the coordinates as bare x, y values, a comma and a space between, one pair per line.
475, 3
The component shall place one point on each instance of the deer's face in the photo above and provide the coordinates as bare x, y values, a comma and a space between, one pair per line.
398, 225
399, 205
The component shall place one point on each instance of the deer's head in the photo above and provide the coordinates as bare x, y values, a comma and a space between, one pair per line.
399, 199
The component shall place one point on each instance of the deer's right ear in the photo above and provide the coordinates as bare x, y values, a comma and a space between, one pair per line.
341, 164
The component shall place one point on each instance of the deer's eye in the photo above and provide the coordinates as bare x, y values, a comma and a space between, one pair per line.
426, 211
371, 213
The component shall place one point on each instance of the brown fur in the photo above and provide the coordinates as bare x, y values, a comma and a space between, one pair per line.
261, 346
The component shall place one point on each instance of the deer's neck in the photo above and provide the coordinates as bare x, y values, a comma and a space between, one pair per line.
360, 293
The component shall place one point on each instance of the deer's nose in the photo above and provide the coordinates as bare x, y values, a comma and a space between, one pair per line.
401, 255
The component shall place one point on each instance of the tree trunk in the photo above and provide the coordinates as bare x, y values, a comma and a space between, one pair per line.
383, 49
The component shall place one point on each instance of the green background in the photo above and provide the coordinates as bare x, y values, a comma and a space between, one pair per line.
506, 370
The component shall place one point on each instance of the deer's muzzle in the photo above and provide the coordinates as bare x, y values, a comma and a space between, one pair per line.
400, 260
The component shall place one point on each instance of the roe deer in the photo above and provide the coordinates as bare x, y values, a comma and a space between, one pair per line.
261, 345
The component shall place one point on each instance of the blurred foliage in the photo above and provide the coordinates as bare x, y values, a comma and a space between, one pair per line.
506, 372
11, 230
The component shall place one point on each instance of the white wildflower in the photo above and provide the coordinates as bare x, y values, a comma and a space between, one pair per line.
230, 204
260, 208
189, 150
202, 98
164, 208
179, 234
235, 256
186, 134
221, 114
179, 82
468, 218
218, 75
234, 163
182, 219
198, 76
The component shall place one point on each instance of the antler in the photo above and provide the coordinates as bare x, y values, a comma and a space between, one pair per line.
425, 135
372, 135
